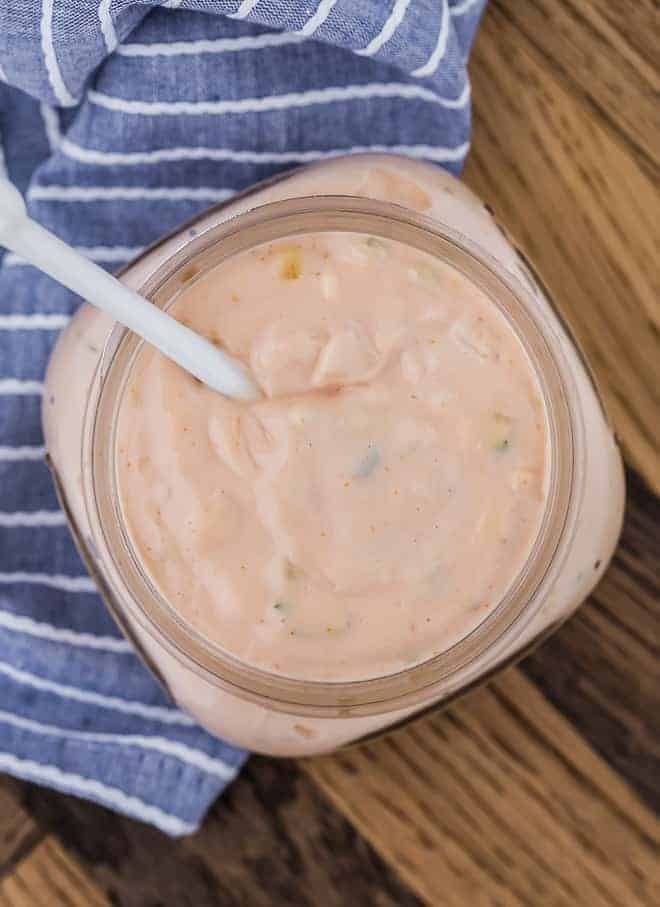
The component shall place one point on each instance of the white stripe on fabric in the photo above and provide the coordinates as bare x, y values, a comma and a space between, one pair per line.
10, 387
107, 25
52, 580
116, 799
95, 253
197, 758
161, 155
12, 260
173, 4
127, 193
441, 46
109, 253
18, 623
207, 46
50, 57
33, 322
394, 20
460, 101
3, 74
462, 8
275, 102
19, 454
322, 12
244, 9
126, 706
34, 518
51, 125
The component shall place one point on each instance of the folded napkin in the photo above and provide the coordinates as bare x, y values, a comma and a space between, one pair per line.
119, 120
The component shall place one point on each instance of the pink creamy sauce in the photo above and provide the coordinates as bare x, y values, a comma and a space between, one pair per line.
379, 500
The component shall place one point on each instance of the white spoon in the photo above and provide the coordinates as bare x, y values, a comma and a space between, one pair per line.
45, 251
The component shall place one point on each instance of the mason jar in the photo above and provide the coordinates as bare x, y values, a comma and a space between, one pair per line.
390, 198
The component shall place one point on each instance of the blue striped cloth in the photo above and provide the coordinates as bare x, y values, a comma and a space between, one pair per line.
119, 120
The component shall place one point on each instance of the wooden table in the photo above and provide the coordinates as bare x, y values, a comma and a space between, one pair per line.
539, 789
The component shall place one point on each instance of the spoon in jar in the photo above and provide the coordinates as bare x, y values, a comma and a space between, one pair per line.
41, 248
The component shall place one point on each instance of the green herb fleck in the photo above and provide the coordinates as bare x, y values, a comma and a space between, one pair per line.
368, 463
502, 445
285, 609
413, 659
377, 248
426, 272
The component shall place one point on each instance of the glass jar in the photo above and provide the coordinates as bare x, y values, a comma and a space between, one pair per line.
388, 197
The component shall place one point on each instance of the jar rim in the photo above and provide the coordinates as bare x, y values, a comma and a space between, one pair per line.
129, 583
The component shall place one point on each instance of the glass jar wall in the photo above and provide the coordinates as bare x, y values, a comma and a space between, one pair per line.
396, 200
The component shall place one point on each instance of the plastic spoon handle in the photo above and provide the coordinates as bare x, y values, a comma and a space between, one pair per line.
44, 250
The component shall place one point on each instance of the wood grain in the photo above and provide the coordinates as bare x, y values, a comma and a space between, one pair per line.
602, 669
49, 877
19, 833
498, 801
270, 840
637, 23
538, 789
585, 212
605, 54
292, 849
